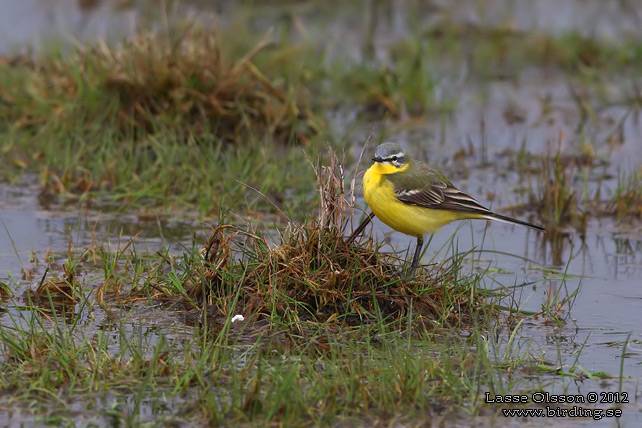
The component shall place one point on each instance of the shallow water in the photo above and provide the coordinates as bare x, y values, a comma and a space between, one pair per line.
36, 227
41, 25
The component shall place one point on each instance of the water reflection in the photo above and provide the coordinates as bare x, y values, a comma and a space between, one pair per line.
626, 260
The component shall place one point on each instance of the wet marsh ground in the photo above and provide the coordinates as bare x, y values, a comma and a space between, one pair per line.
121, 289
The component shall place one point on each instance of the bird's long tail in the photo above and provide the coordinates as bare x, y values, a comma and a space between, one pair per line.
506, 219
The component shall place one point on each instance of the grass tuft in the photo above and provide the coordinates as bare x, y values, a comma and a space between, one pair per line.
314, 274
559, 204
181, 80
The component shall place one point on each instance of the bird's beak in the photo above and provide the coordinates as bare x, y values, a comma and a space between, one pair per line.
377, 159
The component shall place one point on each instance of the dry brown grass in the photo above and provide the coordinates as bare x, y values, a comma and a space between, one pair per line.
182, 82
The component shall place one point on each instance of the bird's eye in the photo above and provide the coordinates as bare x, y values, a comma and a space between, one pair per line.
394, 158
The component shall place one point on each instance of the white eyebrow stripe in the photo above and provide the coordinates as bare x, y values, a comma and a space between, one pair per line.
400, 155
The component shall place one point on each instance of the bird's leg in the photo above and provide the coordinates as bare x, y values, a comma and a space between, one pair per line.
415, 258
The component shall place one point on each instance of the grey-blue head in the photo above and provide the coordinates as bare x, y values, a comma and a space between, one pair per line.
391, 153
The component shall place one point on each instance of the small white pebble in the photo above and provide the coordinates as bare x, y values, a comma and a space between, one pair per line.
238, 318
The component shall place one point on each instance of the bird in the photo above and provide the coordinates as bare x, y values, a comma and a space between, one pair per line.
414, 198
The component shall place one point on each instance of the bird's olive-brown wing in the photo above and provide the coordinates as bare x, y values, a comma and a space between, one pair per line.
427, 187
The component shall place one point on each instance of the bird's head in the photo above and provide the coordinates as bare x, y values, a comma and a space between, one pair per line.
390, 158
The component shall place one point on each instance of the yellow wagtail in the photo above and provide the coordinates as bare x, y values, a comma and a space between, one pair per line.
415, 199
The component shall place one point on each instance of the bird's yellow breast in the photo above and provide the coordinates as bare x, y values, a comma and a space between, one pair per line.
405, 218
